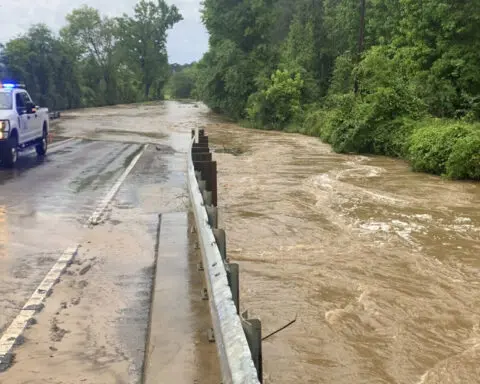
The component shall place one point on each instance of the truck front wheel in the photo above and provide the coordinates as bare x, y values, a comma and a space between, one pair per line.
42, 146
10, 152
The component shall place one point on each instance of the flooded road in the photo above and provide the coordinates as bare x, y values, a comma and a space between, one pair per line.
43, 205
381, 265
94, 326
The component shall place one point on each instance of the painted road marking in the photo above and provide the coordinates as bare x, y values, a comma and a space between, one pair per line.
58, 143
13, 334
97, 215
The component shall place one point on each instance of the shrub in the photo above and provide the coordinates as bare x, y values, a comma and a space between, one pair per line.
464, 160
279, 103
434, 142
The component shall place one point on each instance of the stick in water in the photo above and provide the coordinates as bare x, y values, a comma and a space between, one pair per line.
280, 329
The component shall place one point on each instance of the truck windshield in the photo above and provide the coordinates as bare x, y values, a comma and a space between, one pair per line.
5, 100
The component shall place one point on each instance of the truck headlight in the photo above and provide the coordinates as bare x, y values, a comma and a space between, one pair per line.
4, 128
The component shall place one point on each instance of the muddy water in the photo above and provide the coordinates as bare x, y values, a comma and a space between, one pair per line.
379, 264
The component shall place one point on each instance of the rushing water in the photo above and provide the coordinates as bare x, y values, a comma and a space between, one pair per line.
379, 264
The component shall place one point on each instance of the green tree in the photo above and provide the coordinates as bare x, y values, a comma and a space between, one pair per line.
373, 73
40, 61
95, 41
182, 83
143, 37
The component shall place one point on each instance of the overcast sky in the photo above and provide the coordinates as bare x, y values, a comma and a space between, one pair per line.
187, 41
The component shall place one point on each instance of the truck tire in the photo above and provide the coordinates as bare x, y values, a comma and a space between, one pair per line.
10, 154
42, 146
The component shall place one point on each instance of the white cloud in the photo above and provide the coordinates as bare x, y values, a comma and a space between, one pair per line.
18, 15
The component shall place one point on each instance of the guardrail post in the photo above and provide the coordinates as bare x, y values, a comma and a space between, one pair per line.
212, 216
200, 149
233, 277
201, 132
208, 170
201, 144
207, 195
221, 240
203, 140
201, 156
253, 332
202, 184
213, 183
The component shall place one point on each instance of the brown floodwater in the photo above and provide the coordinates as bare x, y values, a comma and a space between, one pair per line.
380, 265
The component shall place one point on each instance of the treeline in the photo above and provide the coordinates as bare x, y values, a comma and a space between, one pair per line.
95, 60
182, 83
393, 77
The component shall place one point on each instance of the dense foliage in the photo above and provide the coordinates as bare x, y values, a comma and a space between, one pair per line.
95, 60
182, 82
394, 77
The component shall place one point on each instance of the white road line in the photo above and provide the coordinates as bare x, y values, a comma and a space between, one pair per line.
58, 143
96, 216
13, 335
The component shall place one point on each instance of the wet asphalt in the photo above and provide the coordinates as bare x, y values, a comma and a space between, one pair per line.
44, 204
94, 327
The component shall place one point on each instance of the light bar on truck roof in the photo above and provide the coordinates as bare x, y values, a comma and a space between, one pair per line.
11, 85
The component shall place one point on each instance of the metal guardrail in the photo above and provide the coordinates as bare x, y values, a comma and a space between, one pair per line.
54, 115
237, 337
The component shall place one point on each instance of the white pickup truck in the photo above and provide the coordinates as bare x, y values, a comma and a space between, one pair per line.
22, 124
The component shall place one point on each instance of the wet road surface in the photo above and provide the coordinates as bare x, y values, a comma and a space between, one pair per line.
380, 264
93, 328
43, 205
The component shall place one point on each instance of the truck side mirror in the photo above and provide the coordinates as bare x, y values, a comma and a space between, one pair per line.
30, 107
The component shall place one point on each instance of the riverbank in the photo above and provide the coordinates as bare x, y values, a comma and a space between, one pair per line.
443, 147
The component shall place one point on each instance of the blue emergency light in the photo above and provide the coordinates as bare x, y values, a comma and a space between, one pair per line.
11, 85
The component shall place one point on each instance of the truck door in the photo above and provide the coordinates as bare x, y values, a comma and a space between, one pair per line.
33, 122
23, 119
